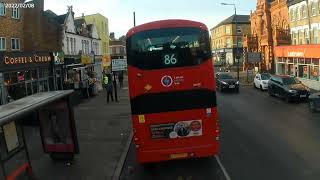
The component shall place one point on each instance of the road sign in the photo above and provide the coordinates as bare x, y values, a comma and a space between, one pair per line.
119, 64
254, 57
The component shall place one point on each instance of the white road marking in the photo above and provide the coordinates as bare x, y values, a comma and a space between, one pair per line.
222, 168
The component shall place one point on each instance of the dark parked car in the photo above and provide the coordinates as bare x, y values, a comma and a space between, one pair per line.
314, 102
226, 81
287, 87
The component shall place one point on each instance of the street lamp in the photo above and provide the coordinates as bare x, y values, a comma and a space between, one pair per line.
236, 24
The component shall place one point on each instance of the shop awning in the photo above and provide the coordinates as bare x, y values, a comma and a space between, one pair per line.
298, 51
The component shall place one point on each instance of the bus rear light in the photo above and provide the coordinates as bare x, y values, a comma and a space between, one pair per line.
139, 75
136, 139
137, 146
197, 85
217, 131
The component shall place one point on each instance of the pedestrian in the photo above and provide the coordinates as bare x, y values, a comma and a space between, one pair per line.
107, 81
120, 78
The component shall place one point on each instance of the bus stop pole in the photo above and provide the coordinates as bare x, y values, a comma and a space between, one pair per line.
115, 87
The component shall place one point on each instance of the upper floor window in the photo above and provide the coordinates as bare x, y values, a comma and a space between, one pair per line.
304, 11
294, 37
228, 30
306, 35
2, 9
239, 39
15, 43
301, 37
228, 43
2, 44
297, 14
68, 45
117, 50
292, 15
315, 36
239, 30
313, 8
15, 13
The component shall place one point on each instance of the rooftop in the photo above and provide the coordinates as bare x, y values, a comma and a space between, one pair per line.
240, 19
292, 2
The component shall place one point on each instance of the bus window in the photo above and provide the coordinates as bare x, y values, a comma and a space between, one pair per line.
168, 48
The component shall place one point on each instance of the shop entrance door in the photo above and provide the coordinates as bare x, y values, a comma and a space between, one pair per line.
31, 87
59, 85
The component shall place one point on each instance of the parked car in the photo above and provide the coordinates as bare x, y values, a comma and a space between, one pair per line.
226, 81
314, 102
261, 81
287, 87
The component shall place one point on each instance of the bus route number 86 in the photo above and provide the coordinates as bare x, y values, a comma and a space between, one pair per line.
170, 59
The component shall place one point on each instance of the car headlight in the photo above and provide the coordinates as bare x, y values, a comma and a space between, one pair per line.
292, 91
224, 83
237, 82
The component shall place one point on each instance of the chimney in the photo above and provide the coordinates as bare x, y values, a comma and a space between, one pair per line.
112, 35
40, 4
70, 9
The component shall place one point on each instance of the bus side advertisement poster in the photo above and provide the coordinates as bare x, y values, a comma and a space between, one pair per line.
180, 129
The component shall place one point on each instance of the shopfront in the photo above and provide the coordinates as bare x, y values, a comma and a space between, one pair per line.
59, 69
25, 73
301, 61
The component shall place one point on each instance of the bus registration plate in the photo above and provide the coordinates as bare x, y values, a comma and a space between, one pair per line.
177, 156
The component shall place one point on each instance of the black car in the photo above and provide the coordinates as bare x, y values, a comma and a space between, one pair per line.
314, 102
287, 87
226, 81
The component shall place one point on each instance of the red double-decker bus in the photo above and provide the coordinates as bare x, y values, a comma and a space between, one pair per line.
172, 91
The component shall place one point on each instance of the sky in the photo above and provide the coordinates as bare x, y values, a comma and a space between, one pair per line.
120, 12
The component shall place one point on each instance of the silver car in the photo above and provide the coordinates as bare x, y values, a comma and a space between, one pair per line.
314, 102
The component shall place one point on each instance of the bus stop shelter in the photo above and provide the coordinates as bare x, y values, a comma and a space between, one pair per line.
57, 131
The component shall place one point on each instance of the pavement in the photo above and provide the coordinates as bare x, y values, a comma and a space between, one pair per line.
103, 130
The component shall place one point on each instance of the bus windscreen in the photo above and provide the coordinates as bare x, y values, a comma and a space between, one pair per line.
168, 48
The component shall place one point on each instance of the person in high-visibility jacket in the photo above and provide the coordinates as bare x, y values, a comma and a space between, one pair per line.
107, 81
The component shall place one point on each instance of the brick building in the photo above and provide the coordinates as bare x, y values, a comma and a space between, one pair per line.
117, 47
42, 32
224, 38
27, 33
11, 31
302, 58
269, 28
